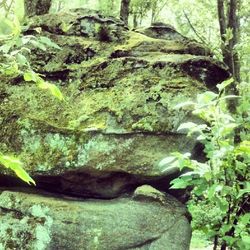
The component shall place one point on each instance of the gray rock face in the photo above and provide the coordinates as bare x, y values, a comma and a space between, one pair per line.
162, 31
82, 22
36, 7
118, 120
30, 221
104, 140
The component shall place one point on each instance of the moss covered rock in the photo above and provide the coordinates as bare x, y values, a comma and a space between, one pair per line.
31, 221
117, 120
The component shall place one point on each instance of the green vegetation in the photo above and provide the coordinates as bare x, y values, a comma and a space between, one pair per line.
220, 183
15, 49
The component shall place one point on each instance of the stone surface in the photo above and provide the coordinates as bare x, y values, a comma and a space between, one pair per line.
81, 22
31, 221
117, 120
97, 152
147, 192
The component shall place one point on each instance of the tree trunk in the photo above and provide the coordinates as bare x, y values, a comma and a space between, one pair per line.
36, 7
135, 22
124, 11
153, 15
233, 24
229, 21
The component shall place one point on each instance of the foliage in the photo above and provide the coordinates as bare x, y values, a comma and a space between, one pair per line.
16, 165
14, 51
140, 9
223, 179
220, 183
109, 7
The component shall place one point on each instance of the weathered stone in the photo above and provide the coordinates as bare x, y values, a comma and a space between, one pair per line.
118, 119
147, 192
31, 221
36, 7
81, 22
167, 32
162, 31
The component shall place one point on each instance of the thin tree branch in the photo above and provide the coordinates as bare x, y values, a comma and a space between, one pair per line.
9, 8
157, 12
193, 28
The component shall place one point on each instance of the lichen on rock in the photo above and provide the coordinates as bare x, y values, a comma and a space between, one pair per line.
118, 116
95, 155
43, 222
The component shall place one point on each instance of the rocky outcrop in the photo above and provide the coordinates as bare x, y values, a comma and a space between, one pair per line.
106, 138
43, 222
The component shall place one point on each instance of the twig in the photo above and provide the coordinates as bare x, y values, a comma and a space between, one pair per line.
8, 8
192, 27
160, 9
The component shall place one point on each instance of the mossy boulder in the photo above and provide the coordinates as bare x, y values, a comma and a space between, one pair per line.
32, 221
117, 119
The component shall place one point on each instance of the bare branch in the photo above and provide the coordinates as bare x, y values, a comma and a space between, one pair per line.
193, 28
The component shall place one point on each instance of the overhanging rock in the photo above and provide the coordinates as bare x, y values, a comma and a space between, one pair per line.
118, 118
116, 123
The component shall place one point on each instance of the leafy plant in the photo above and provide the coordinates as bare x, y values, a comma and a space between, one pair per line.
14, 51
16, 165
14, 63
223, 179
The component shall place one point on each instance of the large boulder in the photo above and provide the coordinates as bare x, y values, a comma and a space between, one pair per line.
118, 120
105, 140
40, 222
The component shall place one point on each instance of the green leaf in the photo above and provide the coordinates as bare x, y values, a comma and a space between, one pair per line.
168, 165
245, 219
45, 40
244, 191
200, 187
22, 174
206, 98
225, 228
227, 129
211, 191
30, 76
193, 128
38, 45
187, 126
246, 240
224, 84
181, 182
65, 28
55, 91
6, 27
5, 48
244, 147
22, 60
166, 161
26, 39
222, 203
16, 26
229, 239
17, 166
